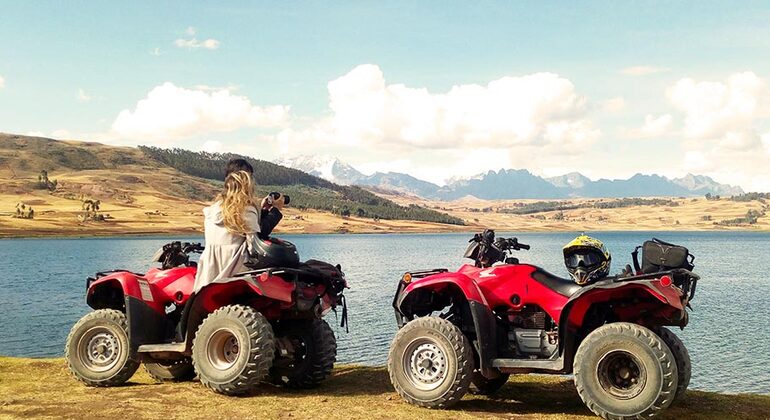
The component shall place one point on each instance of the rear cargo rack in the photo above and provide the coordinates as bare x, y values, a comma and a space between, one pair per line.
682, 278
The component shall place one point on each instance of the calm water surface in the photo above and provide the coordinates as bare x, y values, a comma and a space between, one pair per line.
42, 285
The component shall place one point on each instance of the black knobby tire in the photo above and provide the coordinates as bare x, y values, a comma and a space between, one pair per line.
97, 349
608, 361
481, 385
682, 357
171, 370
431, 363
313, 351
233, 349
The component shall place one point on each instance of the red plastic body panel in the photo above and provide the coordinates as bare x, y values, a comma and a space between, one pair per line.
438, 282
132, 285
172, 283
501, 283
498, 286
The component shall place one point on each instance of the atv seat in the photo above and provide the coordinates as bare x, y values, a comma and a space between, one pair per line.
564, 287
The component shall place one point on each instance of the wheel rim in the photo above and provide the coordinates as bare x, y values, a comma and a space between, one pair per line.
425, 364
621, 374
99, 349
223, 349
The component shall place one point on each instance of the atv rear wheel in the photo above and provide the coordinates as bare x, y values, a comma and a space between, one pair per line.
682, 357
430, 363
481, 385
305, 353
171, 370
233, 349
97, 349
625, 371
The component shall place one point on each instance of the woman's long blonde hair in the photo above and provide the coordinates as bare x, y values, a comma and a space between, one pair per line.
238, 194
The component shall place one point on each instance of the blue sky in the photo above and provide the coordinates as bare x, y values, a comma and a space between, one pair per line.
666, 87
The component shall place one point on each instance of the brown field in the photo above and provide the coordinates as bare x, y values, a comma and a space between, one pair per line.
43, 388
144, 198
688, 215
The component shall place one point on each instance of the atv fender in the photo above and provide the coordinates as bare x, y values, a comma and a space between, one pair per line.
228, 291
412, 301
574, 313
133, 295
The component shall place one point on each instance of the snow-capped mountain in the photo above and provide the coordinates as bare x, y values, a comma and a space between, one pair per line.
704, 184
512, 183
571, 180
324, 166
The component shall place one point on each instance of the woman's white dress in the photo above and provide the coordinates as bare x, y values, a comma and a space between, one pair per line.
225, 251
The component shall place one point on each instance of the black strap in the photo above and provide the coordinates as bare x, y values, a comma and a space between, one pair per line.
344, 317
635, 256
344, 321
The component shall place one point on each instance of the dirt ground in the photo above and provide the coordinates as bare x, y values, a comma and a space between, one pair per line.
43, 388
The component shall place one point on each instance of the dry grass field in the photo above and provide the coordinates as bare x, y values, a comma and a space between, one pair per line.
143, 197
689, 214
43, 388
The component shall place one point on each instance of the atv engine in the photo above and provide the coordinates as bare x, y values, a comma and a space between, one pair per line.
533, 333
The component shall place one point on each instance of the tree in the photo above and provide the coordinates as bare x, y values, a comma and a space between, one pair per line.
360, 212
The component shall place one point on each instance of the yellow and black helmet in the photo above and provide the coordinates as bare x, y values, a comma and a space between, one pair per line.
587, 259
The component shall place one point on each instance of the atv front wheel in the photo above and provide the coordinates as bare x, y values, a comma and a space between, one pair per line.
430, 363
682, 357
170, 370
97, 349
233, 349
305, 353
481, 385
625, 371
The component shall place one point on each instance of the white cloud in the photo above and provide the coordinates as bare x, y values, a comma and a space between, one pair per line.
170, 113
541, 108
156, 52
643, 70
723, 126
614, 105
192, 43
653, 126
212, 146
713, 109
83, 96
2, 82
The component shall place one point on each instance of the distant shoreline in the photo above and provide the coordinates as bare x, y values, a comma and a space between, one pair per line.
453, 229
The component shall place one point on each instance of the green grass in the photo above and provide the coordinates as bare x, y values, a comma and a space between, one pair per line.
43, 388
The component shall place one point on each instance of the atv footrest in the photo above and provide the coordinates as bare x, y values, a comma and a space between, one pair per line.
158, 348
549, 365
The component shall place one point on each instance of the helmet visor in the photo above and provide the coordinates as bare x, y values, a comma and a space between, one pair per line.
586, 259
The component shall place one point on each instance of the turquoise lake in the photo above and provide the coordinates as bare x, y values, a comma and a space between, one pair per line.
42, 285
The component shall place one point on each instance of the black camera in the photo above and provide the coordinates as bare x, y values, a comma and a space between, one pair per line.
275, 196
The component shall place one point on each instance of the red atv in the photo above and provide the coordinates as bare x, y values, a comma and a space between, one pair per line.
264, 324
471, 329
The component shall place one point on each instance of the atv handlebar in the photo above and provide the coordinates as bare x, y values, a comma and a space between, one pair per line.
189, 247
512, 244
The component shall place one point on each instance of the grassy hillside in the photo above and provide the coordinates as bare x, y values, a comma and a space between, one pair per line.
308, 191
44, 388
141, 195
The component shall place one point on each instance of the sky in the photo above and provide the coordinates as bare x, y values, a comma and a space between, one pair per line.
434, 89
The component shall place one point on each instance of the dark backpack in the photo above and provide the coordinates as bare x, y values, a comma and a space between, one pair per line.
659, 256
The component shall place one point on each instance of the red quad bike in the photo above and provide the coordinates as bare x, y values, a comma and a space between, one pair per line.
471, 329
264, 324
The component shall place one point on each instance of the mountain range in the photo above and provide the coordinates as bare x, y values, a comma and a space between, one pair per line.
513, 183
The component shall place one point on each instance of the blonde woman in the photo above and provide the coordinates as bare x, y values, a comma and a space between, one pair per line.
233, 224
